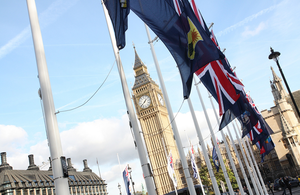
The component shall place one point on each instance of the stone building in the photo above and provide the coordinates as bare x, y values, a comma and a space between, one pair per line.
154, 120
283, 119
34, 181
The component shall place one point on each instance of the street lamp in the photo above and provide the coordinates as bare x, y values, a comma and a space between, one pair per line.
119, 186
274, 56
130, 170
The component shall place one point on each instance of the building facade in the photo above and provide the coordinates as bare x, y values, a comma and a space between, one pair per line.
283, 119
34, 181
157, 132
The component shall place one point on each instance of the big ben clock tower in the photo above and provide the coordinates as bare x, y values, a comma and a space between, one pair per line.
158, 135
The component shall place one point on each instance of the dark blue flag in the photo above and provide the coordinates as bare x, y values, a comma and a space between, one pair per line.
126, 181
175, 23
251, 121
215, 159
118, 11
266, 147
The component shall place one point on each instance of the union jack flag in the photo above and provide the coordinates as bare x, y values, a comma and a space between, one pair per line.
193, 163
170, 168
126, 180
213, 77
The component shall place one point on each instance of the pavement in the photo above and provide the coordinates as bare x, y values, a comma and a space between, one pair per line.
295, 191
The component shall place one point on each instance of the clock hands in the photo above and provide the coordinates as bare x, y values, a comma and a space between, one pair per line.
143, 102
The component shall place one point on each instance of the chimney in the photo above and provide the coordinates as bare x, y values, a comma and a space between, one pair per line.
4, 165
70, 167
32, 166
86, 168
3, 158
50, 167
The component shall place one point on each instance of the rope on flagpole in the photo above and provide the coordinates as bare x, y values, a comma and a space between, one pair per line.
168, 124
92, 95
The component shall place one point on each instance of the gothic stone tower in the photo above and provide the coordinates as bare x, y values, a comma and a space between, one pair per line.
153, 116
282, 119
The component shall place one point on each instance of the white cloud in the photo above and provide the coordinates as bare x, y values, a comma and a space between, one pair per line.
103, 139
246, 20
250, 33
12, 138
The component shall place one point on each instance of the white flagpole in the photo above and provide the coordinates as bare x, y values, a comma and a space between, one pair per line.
60, 183
124, 188
191, 146
252, 167
212, 177
185, 167
246, 161
240, 163
168, 163
257, 170
228, 150
251, 164
141, 149
98, 168
205, 154
215, 144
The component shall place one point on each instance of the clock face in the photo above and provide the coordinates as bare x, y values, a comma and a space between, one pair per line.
144, 101
160, 99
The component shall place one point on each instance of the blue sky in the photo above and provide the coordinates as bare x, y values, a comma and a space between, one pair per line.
79, 56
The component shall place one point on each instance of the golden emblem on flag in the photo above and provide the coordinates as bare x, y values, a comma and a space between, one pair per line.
193, 37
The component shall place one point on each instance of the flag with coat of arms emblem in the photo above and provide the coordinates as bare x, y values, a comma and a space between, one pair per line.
177, 26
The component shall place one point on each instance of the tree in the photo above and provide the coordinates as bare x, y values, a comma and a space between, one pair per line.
205, 178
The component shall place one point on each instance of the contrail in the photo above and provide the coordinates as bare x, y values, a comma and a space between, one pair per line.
50, 15
246, 20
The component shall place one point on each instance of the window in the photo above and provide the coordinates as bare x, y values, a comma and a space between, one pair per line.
183, 180
72, 177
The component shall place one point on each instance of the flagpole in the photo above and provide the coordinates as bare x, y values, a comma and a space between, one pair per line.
168, 163
201, 142
245, 159
227, 149
240, 163
183, 160
121, 172
257, 170
141, 149
98, 168
60, 183
215, 144
251, 164
192, 151
205, 154
252, 167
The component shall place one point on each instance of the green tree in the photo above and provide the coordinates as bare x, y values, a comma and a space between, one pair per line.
205, 178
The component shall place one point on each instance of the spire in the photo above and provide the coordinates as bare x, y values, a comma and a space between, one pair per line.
275, 77
137, 62
280, 92
141, 73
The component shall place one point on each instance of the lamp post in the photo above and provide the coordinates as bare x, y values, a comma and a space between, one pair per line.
130, 170
119, 186
274, 56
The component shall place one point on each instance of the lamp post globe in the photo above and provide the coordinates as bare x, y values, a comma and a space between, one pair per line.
274, 56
